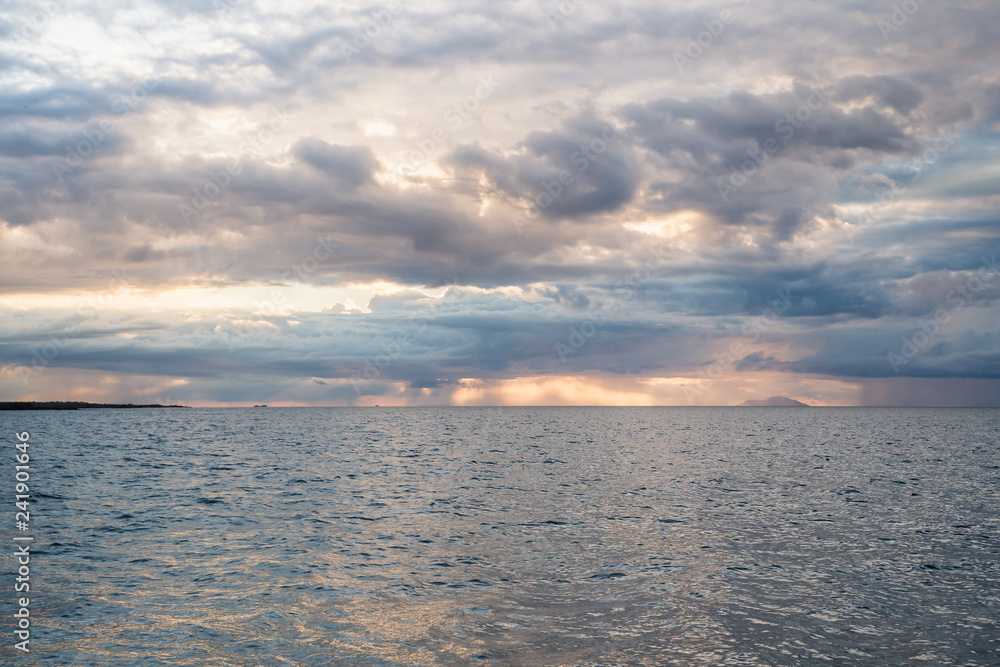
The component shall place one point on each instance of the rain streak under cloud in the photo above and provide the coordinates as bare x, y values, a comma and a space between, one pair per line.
231, 202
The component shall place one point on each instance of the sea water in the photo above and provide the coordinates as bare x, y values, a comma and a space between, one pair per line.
510, 536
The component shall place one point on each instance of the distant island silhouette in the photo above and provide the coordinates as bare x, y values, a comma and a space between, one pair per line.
75, 405
773, 402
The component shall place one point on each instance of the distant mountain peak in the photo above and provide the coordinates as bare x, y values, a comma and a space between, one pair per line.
773, 402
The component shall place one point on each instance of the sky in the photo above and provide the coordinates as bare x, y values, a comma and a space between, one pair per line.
525, 202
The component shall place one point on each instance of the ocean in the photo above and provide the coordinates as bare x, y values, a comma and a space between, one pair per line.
509, 536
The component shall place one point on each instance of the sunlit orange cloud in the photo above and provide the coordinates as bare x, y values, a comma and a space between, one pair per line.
70, 384
550, 391
640, 391
100, 387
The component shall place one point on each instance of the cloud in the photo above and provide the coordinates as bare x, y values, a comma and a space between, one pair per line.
350, 165
576, 171
801, 152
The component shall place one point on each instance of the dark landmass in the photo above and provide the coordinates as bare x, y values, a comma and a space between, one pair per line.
74, 405
773, 402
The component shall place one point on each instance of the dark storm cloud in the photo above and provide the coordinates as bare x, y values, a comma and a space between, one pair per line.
66, 101
581, 169
28, 142
351, 165
901, 95
768, 161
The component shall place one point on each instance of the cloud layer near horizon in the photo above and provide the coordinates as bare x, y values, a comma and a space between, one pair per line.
500, 202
